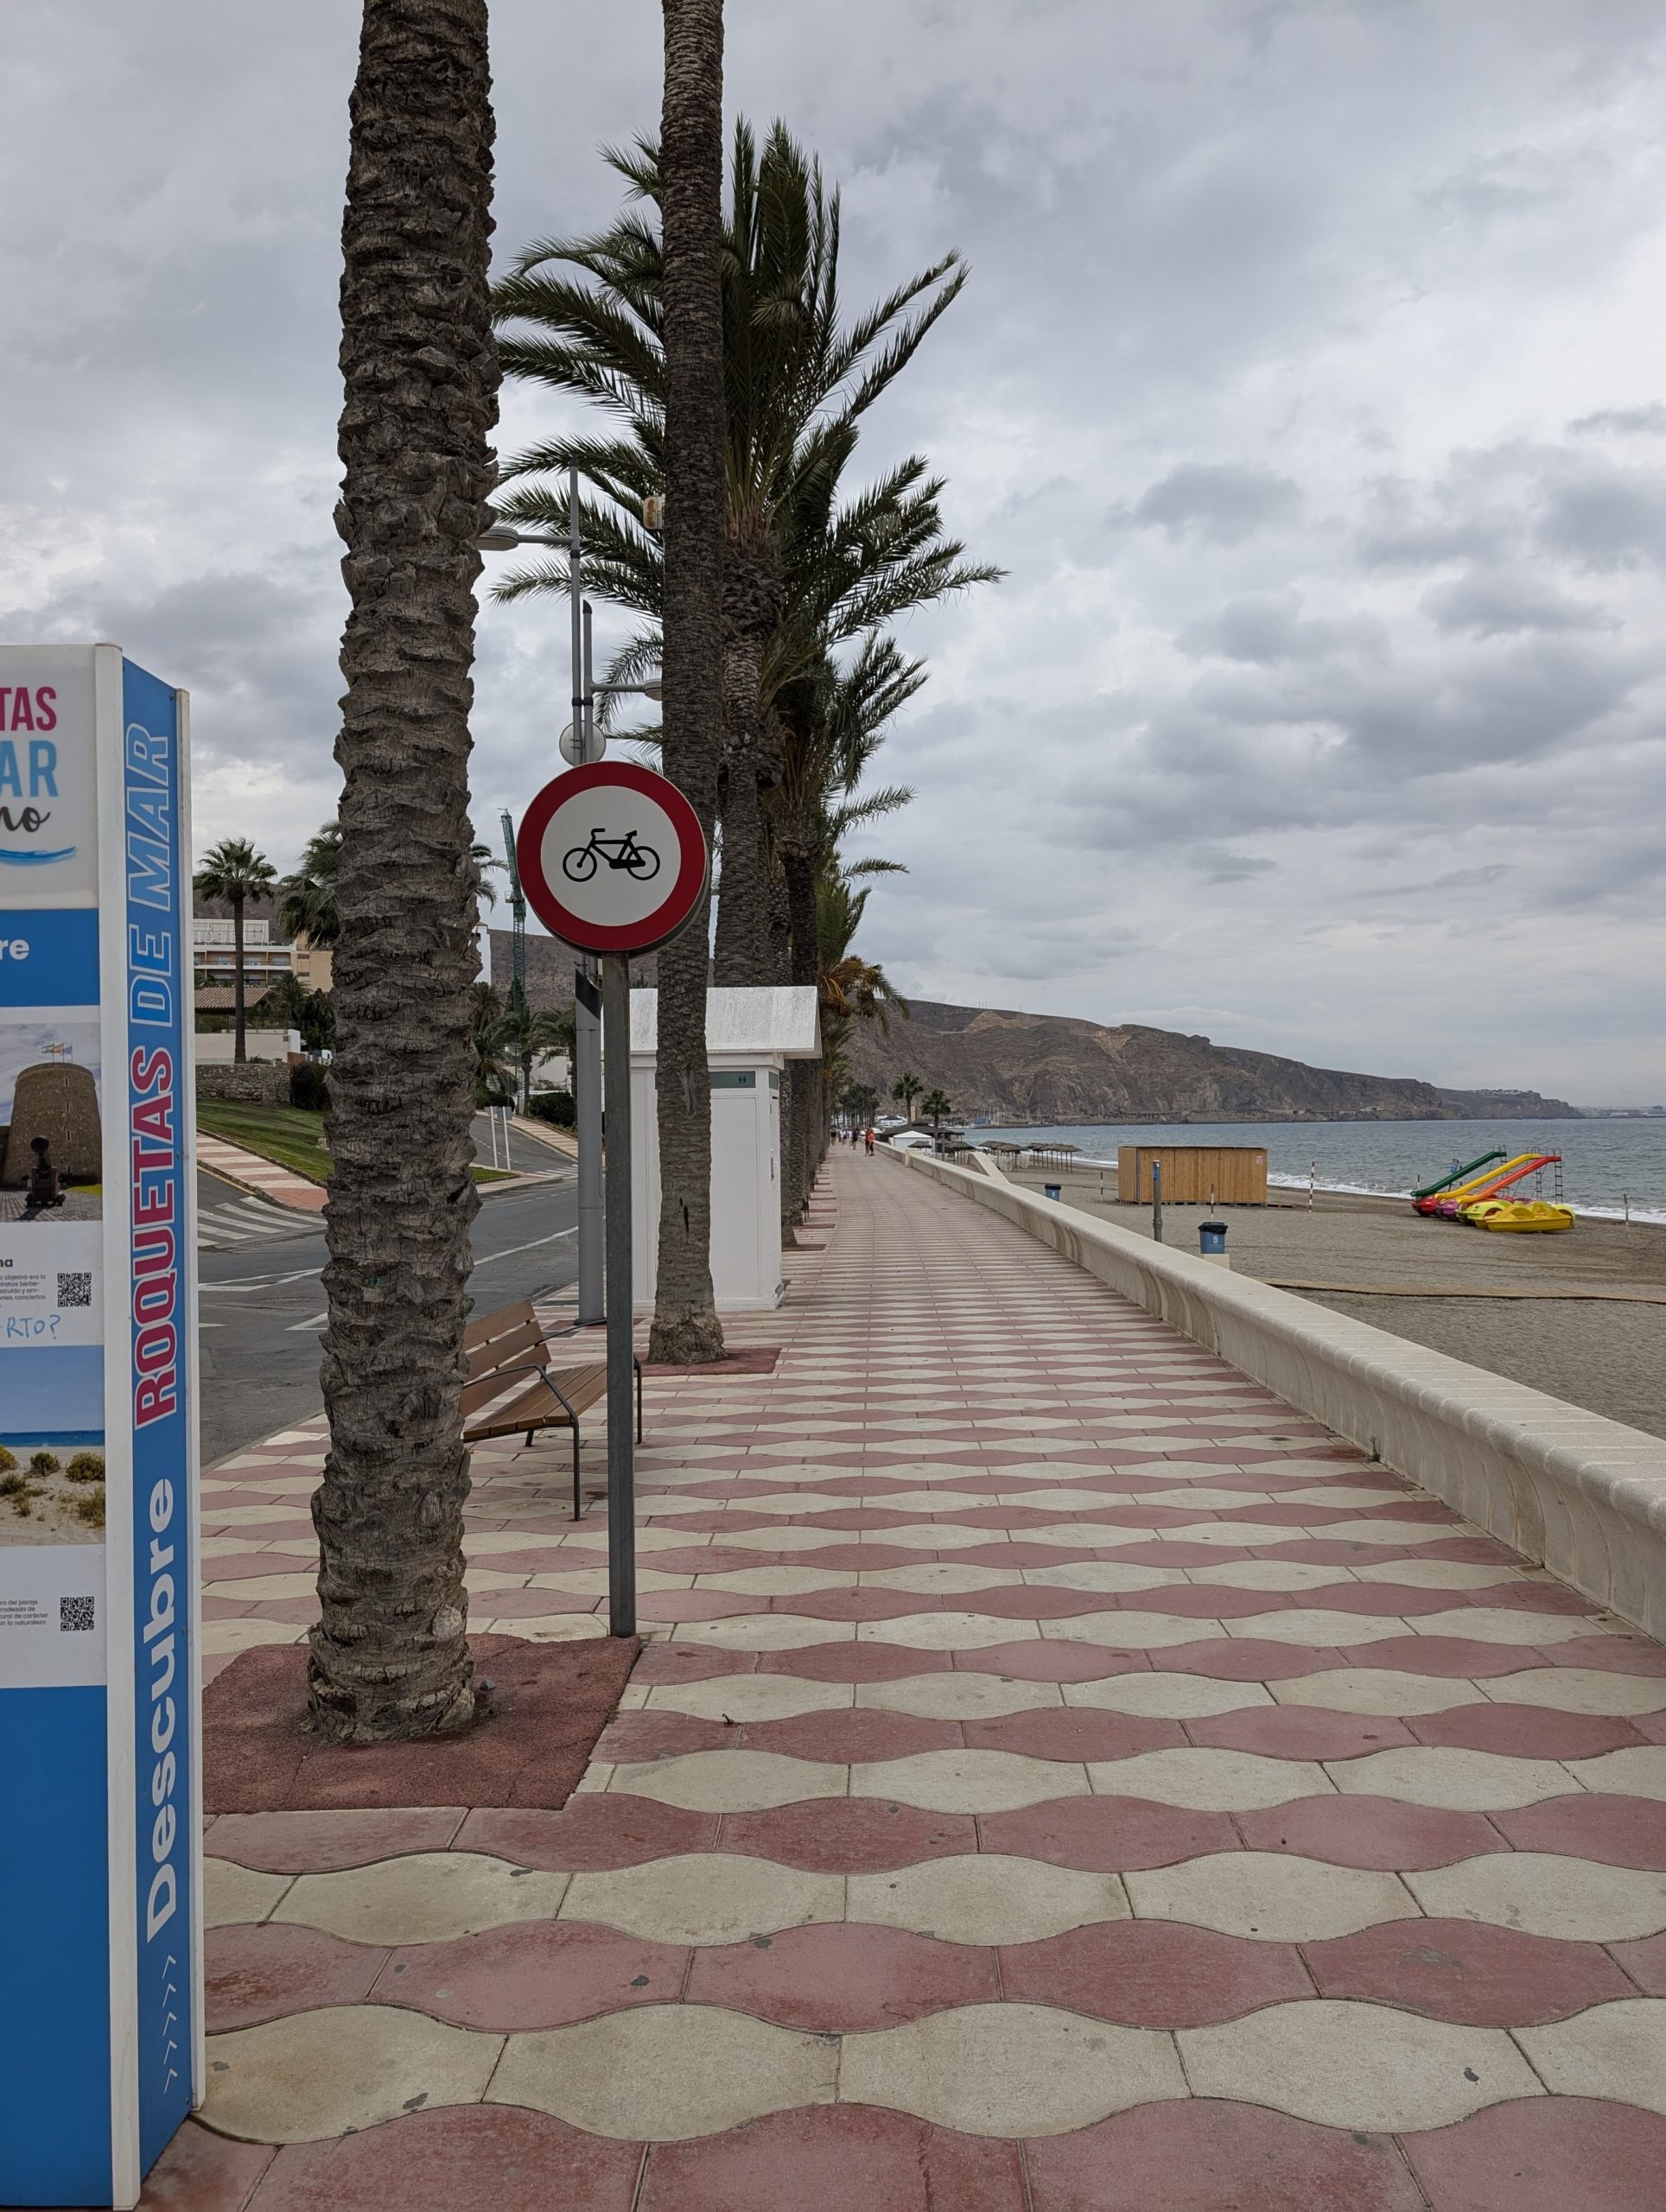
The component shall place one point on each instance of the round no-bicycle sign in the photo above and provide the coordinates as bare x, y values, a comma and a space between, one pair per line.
612, 858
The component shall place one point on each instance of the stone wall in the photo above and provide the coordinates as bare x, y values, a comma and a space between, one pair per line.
261, 1083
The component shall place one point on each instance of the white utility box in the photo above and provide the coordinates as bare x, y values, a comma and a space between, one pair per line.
750, 1036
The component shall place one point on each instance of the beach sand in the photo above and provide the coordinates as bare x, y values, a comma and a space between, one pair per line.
1606, 1356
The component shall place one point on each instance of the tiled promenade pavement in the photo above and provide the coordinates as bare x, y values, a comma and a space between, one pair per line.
1062, 1777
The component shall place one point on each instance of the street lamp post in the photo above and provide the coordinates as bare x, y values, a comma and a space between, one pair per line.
582, 746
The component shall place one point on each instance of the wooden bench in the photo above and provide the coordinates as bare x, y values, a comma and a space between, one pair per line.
503, 1349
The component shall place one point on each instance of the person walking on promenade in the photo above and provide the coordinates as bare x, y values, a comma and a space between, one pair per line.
867, 1143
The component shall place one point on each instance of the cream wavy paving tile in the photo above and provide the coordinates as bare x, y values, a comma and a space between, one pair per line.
951, 1694
1208, 1781
233, 1895
732, 1782
1637, 1772
969, 1782
786, 1581
1578, 1690
1615, 2052
1455, 1780
1361, 2066
1576, 1900
1166, 1697
665, 2073
251, 1587
1401, 1534
1341, 1494
947, 1631
425, 1896
1089, 1535
1128, 1629
948, 1576
985, 1897
247, 1517
1272, 1894
1504, 1625
1438, 1574
705, 1898
1386, 1691
221, 1637
312, 2076
486, 1543
1103, 1574
751, 1697
546, 1628
1269, 1574
1010, 2070
762, 1632
1318, 1626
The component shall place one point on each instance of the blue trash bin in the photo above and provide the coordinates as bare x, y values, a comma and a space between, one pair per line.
1211, 1237
1054, 1190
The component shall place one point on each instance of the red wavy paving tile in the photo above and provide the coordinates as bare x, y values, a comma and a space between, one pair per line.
1456, 1658
1466, 1971
529, 1605
843, 1979
630, 1736
845, 1738
592, 1834
1153, 1974
202, 2172
1203, 2155
1382, 1832
848, 1835
672, 1606
1526, 1731
260, 1974
1106, 1834
836, 2158
469, 2159
1253, 1658
540, 1973
321, 1843
1618, 1830
237, 1566
1645, 1960
689, 1663
1544, 2154
1299, 1732
228, 1609
1050, 1660
1074, 1733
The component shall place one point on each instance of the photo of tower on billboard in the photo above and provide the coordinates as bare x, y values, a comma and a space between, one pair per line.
51, 1123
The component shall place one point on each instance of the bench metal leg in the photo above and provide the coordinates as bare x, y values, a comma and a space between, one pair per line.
578, 1502
636, 1363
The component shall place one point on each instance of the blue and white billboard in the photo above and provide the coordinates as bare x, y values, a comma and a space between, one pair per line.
100, 1709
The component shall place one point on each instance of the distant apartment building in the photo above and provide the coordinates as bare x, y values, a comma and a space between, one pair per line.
214, 952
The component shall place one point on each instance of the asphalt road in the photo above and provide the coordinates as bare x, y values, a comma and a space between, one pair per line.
262, 1306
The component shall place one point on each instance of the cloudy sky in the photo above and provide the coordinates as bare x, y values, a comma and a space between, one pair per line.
1308, 386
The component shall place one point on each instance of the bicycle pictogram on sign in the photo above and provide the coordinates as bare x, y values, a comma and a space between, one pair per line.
642, 861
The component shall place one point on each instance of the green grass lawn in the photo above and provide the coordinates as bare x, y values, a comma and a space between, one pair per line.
287, 1135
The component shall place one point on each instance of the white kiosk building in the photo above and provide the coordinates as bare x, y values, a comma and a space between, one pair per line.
750, 1036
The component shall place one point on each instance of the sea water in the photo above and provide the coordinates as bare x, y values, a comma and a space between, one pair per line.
1605, 1163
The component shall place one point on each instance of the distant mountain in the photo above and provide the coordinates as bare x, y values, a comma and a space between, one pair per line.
1041, 1068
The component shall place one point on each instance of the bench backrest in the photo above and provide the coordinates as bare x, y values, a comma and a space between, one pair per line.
509, 1338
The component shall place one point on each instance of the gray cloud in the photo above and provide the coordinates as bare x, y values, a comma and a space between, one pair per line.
1502, 604
1220, 502
1648, 422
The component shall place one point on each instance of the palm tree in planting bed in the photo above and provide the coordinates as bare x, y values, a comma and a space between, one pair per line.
849, 988
905, 1091
936, 1109
801, 572
390, 1657
234, 872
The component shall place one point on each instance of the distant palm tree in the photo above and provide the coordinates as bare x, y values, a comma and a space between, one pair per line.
906, 1090
936, 1109
233, 871
307, 903
390, 1657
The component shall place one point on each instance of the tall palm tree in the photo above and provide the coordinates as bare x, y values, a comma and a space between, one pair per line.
390, 1656
905, 1091
686, 1329
234, 871
849, 988
306, 899
937, 1107
797, 380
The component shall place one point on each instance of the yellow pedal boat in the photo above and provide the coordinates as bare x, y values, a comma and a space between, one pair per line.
1541, 1215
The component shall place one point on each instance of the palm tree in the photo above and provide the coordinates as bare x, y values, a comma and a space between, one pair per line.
523, 1036
797, 381
686, 1329
390, 1656
848, 987
906, 1090
234, 871
936, 1108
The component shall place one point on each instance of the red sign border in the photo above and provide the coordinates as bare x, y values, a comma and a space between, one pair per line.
686, 889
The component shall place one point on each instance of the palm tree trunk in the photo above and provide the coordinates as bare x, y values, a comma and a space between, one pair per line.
738, 959
390, 1657
686, 1329
239, 1052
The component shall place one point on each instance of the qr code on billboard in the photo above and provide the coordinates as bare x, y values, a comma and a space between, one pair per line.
74, 1289
75, 1612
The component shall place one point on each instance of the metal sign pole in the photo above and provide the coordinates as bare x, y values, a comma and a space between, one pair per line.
621, 1433
586, 1001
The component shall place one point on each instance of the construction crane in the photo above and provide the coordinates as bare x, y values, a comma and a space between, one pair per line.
518, 910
